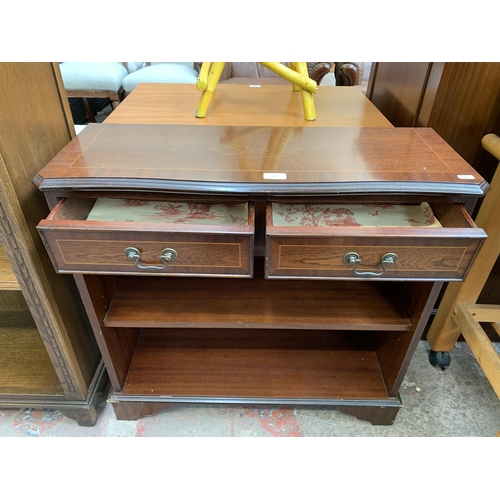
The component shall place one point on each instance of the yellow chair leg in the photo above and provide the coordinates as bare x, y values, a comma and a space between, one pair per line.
295, 87
297, 74
307, 97
298, 77
213, 78
202, 80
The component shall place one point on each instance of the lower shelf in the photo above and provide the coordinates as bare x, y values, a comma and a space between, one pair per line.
25, 366
8, 280
255, 364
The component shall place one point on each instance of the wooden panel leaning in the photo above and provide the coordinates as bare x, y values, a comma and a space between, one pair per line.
457, 312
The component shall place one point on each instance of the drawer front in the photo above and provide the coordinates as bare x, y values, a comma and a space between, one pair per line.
82, 246
443, 253
326, 258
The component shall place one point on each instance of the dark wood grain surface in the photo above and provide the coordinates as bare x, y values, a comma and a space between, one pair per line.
238, 159
117, 346
395, 350
417, 258
255, 363
255, 303
201, 254
396, 89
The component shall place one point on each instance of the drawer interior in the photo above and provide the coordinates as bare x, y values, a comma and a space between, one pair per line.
354, 215
369, 215
164, 211
151, 211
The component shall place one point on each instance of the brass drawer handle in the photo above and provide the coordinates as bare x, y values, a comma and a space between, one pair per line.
167, 255
353, 258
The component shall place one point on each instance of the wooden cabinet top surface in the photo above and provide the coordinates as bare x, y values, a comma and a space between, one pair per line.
260, 160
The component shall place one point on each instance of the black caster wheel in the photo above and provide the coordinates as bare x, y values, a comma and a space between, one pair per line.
441, 359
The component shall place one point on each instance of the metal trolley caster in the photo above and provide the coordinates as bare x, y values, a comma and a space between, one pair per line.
441, 359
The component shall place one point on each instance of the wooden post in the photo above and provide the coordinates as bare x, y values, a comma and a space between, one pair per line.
443, 332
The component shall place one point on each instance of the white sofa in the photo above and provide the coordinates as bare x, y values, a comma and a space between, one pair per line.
113, 80
166, 72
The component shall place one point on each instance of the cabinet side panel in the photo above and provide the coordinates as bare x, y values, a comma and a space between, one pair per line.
395, 349
117, 345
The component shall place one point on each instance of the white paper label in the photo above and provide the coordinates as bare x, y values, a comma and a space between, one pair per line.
465, 176
274, 176
254, 86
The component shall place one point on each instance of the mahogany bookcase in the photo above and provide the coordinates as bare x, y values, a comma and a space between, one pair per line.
252, 311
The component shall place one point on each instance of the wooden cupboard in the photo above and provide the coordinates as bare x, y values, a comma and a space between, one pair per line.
48, 355
459, 100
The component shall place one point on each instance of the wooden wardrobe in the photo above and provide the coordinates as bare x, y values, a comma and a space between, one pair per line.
459, 100
48, 356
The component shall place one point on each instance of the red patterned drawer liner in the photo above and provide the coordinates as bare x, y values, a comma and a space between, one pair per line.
370, 214
107, 209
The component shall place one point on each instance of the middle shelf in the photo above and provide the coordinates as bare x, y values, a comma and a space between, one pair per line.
171, 302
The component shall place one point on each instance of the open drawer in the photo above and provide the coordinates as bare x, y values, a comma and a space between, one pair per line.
132, 236
326, 241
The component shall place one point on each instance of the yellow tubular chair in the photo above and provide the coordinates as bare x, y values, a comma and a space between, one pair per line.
297, 74
458, 312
